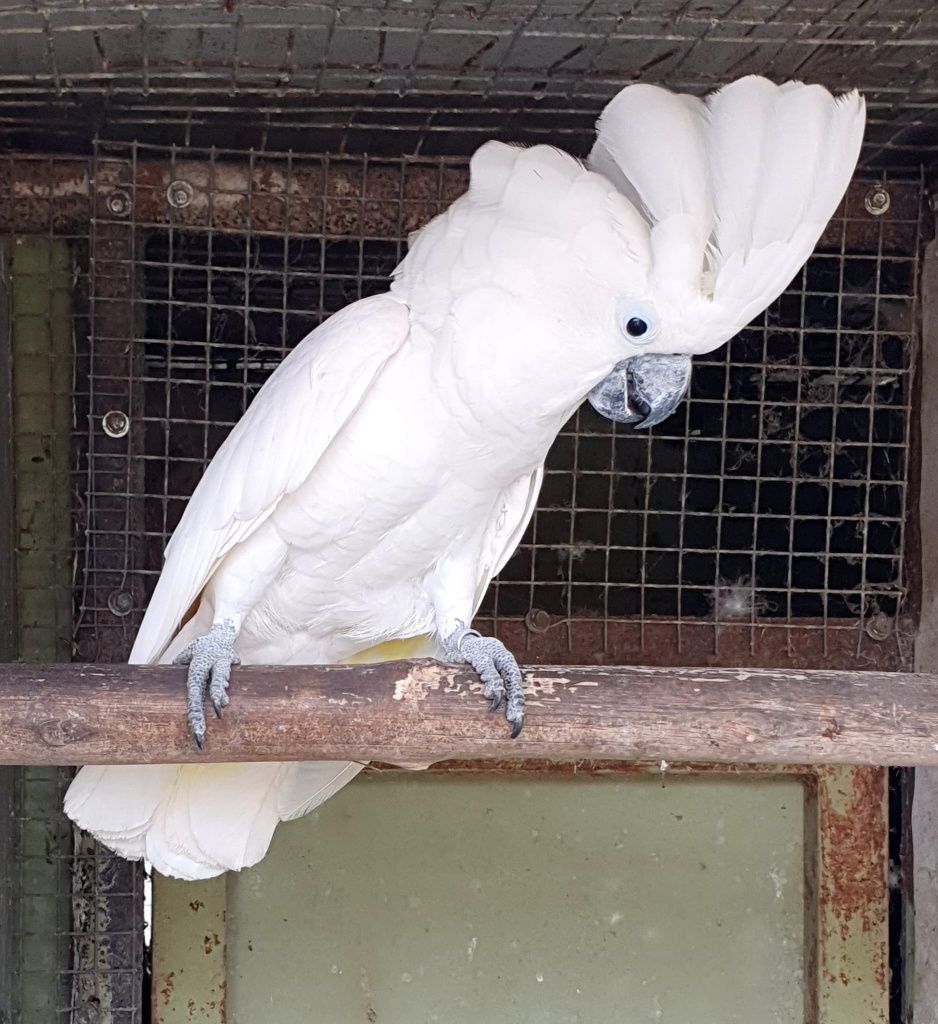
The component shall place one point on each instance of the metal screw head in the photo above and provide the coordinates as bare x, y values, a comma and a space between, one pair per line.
89, 1013
877, 200
179, 194
879, 626
118, 203
115, 423
537, 620
120, 602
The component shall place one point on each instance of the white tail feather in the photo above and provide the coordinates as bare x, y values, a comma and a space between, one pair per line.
96, 793
196, 821
311, 783
224, 814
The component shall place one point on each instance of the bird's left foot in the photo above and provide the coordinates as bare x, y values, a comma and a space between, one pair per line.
497, 668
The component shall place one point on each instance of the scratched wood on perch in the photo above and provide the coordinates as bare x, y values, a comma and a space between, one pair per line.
419, 712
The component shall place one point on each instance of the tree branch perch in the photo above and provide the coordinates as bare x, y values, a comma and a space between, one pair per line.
418, 712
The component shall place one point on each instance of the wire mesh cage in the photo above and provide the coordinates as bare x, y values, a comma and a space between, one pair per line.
762, 523
436, 76
238, 171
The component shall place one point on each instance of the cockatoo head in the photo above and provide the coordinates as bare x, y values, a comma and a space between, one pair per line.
690, 218
602, 291
732, 193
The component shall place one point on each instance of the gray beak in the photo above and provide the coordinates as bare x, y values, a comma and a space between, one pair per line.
643, 390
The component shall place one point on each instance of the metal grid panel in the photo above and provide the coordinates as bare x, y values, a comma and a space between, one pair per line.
40, 918
437, 75
76, 915
773, 500
764, 522
76, 927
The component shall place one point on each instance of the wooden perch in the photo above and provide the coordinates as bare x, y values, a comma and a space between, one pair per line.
418, 712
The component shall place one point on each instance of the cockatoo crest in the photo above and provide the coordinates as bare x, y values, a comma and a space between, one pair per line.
736, 189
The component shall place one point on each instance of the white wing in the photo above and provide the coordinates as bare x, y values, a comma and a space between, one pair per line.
511, 519
271, 451
737, 189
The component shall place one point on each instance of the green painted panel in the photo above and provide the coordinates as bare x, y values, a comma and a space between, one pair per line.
38, 285
515, 900
41, 282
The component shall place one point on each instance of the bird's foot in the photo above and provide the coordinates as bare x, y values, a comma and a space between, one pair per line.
209, 658
497, 668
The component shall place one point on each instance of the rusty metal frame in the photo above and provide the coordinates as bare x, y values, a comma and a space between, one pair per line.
846, 896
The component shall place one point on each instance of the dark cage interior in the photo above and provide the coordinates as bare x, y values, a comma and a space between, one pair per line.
209, 180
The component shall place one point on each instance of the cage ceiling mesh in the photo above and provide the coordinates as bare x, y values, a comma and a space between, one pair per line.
436, 76
763, 523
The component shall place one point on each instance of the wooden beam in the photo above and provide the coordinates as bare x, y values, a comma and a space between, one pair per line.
415, 713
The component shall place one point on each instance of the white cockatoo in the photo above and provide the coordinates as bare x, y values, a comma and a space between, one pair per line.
388, 468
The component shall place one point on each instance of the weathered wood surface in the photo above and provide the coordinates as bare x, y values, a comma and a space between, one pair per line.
415, 713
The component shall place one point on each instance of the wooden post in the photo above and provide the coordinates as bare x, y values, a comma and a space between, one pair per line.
416, 713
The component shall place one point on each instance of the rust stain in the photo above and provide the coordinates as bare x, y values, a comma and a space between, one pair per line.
853, 869
854, 858
303, 197
210, 943
36, 194
196, 905
166, 985
805, 643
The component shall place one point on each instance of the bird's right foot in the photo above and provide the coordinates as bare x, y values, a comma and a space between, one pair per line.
497, 668
209, 658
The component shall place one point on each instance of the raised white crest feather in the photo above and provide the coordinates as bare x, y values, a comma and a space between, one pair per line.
737, 188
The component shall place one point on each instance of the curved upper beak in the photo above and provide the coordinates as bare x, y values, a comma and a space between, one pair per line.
643, 390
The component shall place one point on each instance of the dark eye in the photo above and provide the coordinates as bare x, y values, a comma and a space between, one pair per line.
637, 321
